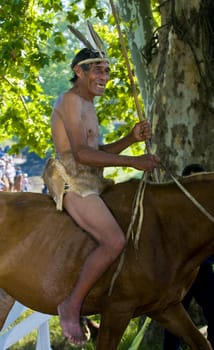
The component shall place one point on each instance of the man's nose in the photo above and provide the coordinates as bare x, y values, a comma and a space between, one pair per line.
105, 77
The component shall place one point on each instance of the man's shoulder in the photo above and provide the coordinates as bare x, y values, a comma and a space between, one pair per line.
67, 97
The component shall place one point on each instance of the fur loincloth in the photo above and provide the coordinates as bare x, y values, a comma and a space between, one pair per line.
64, 174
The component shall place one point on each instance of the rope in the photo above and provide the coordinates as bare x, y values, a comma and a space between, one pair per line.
193, 200
141, 217
137, 206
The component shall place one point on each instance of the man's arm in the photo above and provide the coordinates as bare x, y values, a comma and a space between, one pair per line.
140, 132
90, 156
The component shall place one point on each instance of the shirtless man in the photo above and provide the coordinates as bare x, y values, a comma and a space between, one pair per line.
75, 136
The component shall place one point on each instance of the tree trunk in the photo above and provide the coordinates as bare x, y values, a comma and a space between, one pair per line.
175, 70
174, 65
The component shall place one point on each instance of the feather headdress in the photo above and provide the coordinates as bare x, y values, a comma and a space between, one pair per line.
94, 44
95, 40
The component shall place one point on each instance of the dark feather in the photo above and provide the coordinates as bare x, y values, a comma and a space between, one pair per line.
94, 39
80, 36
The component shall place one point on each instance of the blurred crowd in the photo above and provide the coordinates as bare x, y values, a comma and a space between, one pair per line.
12, 179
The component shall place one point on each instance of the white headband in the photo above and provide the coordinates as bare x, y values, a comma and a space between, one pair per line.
92, 60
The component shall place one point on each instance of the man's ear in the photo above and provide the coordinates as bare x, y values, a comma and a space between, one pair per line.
77, 69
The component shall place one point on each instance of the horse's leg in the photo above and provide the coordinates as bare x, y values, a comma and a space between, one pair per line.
177, 321
112, 326
6, 303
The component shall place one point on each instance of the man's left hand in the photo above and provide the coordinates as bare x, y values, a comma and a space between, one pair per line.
142, 131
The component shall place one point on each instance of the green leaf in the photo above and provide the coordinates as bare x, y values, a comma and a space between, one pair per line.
139, 337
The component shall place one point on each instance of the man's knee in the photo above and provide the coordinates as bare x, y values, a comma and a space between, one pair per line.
117, 245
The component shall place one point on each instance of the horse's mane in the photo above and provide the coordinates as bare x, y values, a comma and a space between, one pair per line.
187, 179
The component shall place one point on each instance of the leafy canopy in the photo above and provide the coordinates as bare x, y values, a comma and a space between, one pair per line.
35, 55
26, 27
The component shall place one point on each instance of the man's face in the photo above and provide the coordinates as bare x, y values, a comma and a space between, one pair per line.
96, 77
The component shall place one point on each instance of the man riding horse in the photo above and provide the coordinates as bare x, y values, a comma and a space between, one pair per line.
75, 135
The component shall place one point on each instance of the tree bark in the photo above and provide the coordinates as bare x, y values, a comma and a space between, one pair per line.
174, 66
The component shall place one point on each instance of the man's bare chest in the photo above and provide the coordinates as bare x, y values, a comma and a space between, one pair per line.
90, 121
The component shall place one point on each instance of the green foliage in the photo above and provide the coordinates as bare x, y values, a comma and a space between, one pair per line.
35, 56
25, 28
139, 337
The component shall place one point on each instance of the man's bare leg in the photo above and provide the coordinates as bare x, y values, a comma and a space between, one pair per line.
93, 216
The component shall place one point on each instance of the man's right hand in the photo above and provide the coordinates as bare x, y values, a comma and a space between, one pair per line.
146, 162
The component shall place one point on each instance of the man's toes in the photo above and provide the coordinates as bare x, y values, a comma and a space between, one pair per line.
77, 341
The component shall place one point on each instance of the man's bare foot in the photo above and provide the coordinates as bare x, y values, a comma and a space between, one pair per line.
70, 323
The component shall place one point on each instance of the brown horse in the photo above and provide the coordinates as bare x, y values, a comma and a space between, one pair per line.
42, 251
